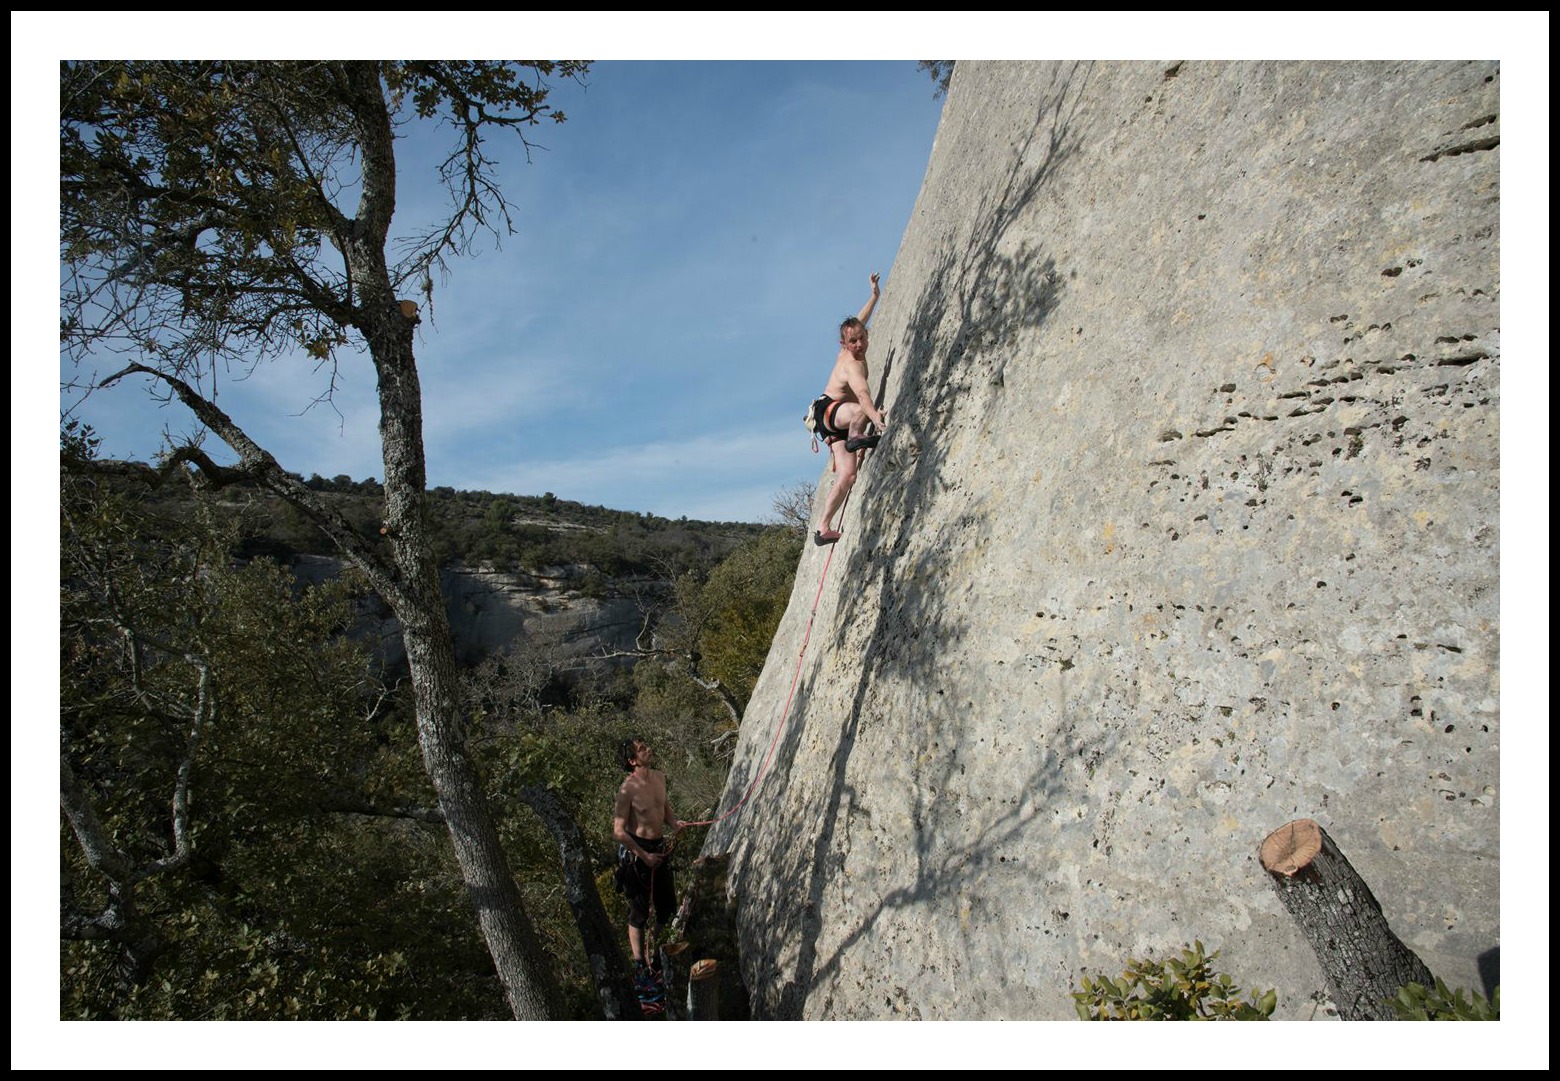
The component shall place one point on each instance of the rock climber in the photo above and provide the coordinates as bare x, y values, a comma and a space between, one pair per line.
844, 410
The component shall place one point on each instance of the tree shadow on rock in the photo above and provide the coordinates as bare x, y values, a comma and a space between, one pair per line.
978, 302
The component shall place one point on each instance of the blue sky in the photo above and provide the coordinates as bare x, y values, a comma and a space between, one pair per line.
648, 340
700, 252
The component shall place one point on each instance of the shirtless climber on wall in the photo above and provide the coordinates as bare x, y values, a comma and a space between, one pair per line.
843, 412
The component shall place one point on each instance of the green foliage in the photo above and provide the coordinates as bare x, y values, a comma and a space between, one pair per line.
743, 601
941, 72
323, 918
78, 441
1418, 1003
204, 202
1184, 988
307, 896
294, 905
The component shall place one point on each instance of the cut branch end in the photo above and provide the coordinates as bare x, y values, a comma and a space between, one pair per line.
1290, 849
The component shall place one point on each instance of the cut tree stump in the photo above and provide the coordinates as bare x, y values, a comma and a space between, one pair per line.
710, 928
1363, 962
704, 991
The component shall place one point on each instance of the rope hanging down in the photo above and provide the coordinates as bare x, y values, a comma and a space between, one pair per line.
651, 945
790, 695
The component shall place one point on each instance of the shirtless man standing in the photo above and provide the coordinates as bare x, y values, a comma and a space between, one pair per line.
640, 818
843, 413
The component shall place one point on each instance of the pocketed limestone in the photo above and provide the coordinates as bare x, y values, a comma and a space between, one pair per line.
1185, 526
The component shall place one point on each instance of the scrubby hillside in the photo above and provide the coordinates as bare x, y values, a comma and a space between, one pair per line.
578, 578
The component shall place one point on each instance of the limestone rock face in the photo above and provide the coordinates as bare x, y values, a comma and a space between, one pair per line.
1185, 526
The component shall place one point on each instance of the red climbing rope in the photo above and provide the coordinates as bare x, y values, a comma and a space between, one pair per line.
764, 768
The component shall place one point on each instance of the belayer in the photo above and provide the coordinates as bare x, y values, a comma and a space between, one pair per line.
841, 414
641, 818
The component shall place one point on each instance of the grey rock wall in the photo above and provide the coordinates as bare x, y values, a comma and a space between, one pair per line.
1185, 526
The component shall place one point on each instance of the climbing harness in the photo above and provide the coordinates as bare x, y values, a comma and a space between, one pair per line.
819, 420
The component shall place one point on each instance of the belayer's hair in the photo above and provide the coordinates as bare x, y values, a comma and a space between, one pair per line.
626, 752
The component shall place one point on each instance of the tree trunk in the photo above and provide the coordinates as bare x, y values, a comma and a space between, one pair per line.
709, 926
522, 966
233, 261
608, 967
704, 991
430, 656
674, 972
1363, 961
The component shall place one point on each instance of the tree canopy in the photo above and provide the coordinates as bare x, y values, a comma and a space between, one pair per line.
223, 209
246, 832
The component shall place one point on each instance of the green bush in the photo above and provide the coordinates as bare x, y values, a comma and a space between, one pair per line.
1178, 989
1417, 1003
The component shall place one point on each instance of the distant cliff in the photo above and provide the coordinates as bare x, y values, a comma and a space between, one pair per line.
574, 579
1186, 525
490, 609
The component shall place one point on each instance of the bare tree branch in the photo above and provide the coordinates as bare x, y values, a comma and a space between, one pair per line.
259, 465
102, 855
686, 662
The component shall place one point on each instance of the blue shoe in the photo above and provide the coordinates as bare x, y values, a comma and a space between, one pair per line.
646, 985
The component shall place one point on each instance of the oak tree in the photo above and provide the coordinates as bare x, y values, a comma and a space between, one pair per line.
217, 213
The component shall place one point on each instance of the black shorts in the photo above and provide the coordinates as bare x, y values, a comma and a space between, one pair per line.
824, 408
642, 884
